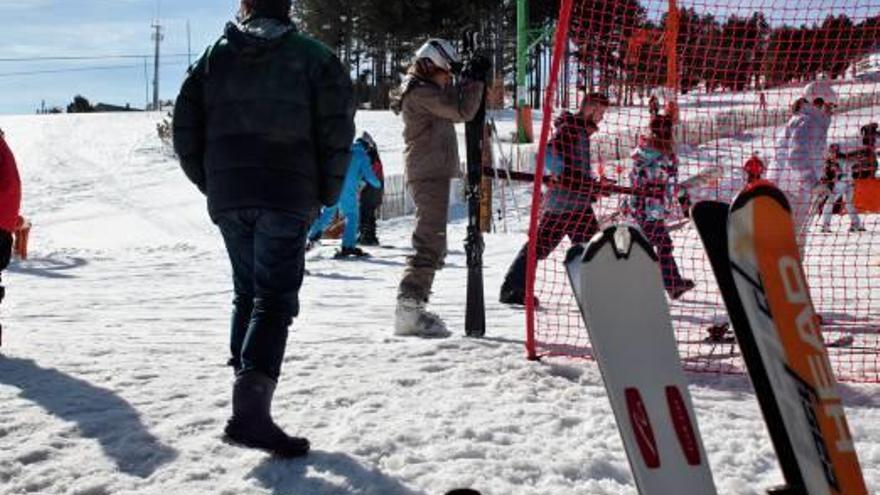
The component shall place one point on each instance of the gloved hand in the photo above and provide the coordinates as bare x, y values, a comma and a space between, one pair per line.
477, 68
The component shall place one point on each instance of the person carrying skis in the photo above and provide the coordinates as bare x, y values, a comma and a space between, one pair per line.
10, 205
838, 178
800, 153
263, 127
655, 167
360, 170
754, 168
568, 205
371, 201
431, 104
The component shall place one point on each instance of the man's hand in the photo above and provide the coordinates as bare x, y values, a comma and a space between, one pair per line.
604, 186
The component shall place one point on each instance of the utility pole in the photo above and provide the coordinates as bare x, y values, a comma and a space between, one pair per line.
157, 37
188, 44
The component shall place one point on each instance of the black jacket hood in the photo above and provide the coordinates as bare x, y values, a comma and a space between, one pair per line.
251, 41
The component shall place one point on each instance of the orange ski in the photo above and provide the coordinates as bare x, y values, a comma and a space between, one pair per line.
772, 285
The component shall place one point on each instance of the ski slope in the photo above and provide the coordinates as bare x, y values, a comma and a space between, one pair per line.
112, 376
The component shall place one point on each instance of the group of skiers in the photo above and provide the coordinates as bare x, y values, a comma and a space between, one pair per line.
268, 155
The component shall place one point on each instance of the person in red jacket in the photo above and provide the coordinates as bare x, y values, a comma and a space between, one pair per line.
754, 168
10, 204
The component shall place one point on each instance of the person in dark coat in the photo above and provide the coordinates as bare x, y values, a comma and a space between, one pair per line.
371, 200
263, 127
568, 204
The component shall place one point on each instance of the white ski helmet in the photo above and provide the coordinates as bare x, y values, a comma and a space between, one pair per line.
441, 53
820, 89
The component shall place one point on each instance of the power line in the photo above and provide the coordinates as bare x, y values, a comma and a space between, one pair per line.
78, 69
85, 57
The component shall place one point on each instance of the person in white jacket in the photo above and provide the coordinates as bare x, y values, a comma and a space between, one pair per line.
839, 179
800, 153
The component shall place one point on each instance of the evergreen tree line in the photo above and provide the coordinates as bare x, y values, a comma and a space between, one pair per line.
377, 38
617, 48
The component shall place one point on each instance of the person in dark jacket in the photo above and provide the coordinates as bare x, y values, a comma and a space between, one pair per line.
263, 126
568, 204
371, 200
10, 204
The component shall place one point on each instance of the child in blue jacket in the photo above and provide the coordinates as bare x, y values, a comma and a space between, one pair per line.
359, 171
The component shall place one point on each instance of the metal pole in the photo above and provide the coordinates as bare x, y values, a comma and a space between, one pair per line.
522, 58
188, 44
157, 37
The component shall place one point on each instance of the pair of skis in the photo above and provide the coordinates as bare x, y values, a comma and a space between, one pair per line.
752, 248
754, 255
474, 131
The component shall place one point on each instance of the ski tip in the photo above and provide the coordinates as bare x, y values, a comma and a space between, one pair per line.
574, 253
463, 491
760, 188
708, 205
621, 236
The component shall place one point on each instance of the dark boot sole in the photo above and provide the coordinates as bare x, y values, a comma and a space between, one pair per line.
228, 440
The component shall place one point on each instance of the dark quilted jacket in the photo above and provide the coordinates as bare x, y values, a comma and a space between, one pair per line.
266, 123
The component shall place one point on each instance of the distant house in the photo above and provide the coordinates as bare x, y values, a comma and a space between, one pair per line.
106, 107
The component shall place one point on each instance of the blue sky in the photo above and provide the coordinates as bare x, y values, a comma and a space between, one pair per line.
83, 28
78, 28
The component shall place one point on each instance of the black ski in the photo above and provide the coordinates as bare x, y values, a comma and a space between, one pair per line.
475, 308
710, 218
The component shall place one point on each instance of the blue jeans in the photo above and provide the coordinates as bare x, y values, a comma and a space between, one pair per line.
266, 249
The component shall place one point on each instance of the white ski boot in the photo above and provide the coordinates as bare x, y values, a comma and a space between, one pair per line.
411, 319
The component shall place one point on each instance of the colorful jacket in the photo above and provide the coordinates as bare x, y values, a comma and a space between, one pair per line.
652, 170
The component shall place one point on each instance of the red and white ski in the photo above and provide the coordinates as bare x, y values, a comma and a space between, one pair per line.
616, 280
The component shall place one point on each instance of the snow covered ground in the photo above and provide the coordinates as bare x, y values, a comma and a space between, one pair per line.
112, 378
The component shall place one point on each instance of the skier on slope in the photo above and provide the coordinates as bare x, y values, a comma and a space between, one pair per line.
263, 126
655, 166
360, 170
371, 201
10, 205
838, 178
431, 104
568, 205
800, 153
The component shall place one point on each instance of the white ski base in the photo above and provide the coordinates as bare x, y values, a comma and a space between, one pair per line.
638, 357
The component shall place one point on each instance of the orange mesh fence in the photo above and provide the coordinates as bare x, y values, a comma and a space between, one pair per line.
703, 96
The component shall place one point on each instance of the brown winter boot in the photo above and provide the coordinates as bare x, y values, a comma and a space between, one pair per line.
251, 423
